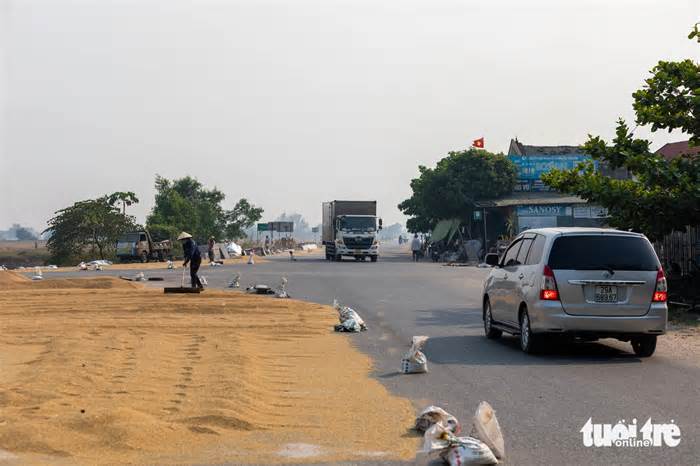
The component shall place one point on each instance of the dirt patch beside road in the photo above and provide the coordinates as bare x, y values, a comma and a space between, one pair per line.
103, 374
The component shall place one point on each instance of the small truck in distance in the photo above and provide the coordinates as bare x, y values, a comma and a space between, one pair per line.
139, 246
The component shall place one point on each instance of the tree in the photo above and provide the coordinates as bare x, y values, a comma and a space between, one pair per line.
90, 226
242, 216
186, 205
24, 234
664, 195
451, 188
127, 198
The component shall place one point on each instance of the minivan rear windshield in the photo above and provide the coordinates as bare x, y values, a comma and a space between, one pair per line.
602, 252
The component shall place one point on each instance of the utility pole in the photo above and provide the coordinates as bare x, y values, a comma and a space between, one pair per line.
485, 241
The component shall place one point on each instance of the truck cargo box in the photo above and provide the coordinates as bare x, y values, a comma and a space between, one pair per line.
333, 209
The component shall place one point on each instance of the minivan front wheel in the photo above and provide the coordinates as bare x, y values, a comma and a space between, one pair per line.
528, 341
491, 332
644, 345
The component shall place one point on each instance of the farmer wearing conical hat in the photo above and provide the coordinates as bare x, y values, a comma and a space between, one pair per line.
192, 256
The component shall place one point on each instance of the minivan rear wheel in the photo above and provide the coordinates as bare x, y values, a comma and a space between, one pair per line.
528, 340
491, 332
644, 345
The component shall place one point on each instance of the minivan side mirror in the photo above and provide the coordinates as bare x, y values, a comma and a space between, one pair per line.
491, 259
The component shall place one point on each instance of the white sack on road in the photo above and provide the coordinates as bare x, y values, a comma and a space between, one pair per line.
456, 451
434, 415
37, 274
234, 249
235, 281
350, 321
414, 361
100, 263
488, 429
282, 290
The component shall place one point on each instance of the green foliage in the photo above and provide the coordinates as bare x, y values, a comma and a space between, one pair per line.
451, 188
664, 195
242, 216
87, 229
186, 205
670, 98
126, 198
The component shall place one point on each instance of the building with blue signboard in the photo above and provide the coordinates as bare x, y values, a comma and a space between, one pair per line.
533, 204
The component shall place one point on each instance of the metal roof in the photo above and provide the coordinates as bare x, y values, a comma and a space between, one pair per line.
581, 230
531, 198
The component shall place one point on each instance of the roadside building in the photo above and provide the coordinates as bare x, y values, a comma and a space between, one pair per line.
534, 204
674, 150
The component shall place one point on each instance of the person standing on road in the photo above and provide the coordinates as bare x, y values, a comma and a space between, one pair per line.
266, 250
416, 246
210, 248
192, 256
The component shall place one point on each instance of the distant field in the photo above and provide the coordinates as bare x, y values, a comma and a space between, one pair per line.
26, 253
15, 245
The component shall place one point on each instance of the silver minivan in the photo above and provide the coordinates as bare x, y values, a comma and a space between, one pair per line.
588, 283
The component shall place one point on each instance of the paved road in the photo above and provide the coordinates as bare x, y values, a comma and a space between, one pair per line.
542, 401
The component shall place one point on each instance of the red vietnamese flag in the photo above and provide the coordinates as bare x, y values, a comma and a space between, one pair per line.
479, 143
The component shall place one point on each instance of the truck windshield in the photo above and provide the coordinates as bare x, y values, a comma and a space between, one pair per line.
129, 238
358, 223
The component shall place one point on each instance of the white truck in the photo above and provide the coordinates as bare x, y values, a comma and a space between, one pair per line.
350, 228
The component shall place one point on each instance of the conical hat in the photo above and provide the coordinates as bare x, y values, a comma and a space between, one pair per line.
184, 235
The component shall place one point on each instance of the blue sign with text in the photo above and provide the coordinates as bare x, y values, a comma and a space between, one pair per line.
530, 168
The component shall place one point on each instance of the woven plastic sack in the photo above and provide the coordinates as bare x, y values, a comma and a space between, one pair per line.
414, 361
456, 451
435, 415
488, 430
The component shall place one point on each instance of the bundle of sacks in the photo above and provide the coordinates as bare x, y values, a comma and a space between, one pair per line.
350, 321
484, 446
414, 361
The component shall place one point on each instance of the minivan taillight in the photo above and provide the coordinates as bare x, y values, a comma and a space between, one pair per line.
549, 290
661, 290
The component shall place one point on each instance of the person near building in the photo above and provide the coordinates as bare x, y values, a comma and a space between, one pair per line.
210, 248
416, 247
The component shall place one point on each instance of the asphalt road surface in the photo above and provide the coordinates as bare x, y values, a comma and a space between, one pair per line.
542, 401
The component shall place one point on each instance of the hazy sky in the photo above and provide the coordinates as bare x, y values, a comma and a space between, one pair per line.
291, 103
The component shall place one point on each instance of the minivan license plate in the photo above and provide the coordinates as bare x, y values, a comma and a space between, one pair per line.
605, 294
